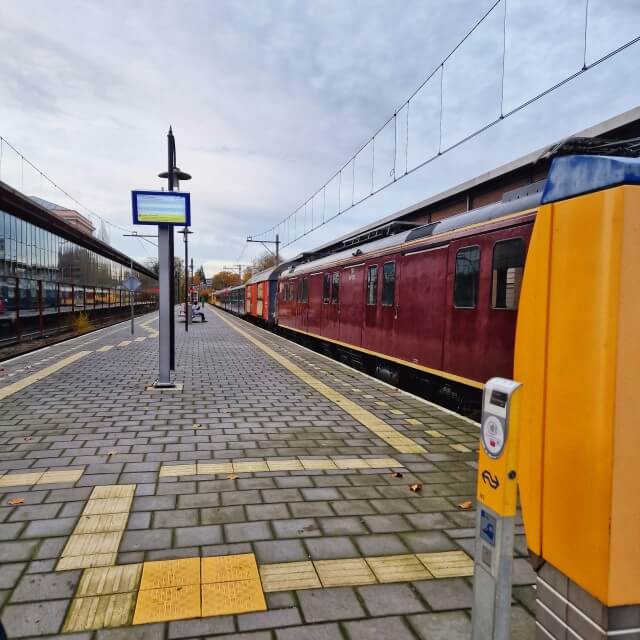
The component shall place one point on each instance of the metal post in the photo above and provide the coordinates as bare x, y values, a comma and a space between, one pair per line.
164, 277
187, 315
171, 163
132, 294
277, 249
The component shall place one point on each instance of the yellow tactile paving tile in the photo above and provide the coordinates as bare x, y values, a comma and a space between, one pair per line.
400, 442
250, 467
413, 421
337, 573
434, 434
172, 603
86, 544
460, 447
402, 568
20, 479
87, 561
10, 389
99, 612
232, 568
113, 491
382, 403
226, 598
317, 463
447, 564
351, 463
382, 463
60, 476
140, 339
102, 523
289, 576
124, 343
284, 465
107, 347
396, 412
162, 574
178, 470
108, 580
213, 468
107, 505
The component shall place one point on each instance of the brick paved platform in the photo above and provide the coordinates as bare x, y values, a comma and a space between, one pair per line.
259, 502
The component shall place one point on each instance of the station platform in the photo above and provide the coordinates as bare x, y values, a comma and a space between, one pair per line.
276, 495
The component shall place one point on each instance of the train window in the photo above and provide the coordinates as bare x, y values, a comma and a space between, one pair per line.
467, 279
372, 285
335, 289
508, 264
304, 288
326, 287
388, 283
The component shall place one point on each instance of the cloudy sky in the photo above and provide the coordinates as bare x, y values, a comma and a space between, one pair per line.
268, 98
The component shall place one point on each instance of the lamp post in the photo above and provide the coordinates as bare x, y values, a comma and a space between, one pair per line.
264, 243
187, 315
173, 176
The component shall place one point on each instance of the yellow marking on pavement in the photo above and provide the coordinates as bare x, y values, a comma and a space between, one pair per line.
162, 574
58, 477
124, 343
99, 612
413, 421
382, 403
460, 447
10, 389
396, 412
299, 464
240, 566
106, 580
172, 603
100, 547
447, 564
403, 568
384, 431
338, 573
434, 434
140, 339
20, 479
289, 576
226, 598
107, 347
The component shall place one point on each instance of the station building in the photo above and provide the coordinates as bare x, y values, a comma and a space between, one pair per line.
52, 269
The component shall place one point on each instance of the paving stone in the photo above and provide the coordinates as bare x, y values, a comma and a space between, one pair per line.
46, 586
143, 632
321, 605
176, 518
387, 523
267, 511
269, 619
311, 632
34, 619
10, 531
197, 499
198, 536
444, 594
222, 515
12, 551
46, 528
139, 520
274, 551
453, 625
390, 599
201, 627
428, 541
310, 509
35, 512
395, 628
380, 545
247, 532
296, 528
10, 573
146, 540
342, 526
352, 507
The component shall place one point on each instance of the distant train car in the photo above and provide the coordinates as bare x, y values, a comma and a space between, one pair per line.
231, 299
261, 295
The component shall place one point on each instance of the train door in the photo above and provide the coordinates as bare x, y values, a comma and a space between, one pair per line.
303, 303
421, 296
351, 304
330, 304
466, 306
381, 307
314, 305
259, 299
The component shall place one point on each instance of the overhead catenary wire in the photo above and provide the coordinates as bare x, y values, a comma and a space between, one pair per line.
442, 148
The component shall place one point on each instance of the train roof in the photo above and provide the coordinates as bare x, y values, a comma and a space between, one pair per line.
271, 273
519, 200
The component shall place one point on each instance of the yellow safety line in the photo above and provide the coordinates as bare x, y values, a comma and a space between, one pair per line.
40, 375
383, 430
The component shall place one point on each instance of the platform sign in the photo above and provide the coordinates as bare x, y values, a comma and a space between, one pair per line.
495, 520
161, 208
132, 283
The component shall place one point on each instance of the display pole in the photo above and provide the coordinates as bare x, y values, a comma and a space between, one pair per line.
165, 276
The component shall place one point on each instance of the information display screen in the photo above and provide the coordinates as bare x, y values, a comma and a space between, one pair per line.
161, 207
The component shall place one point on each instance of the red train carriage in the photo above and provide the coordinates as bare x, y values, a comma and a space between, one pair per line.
440, 299
261, 295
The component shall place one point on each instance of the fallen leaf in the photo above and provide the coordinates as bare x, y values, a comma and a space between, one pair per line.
416, 488
197, 425
27, 438
396, 474
466, 505
15, 501
232, 476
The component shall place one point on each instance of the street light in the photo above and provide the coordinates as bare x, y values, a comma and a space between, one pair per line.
187, 315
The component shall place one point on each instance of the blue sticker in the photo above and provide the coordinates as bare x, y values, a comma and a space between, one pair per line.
488, 527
